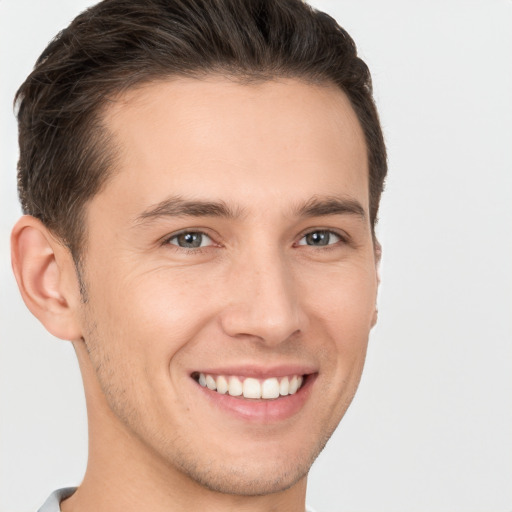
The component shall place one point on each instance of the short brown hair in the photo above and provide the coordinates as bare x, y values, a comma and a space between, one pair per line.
65, 155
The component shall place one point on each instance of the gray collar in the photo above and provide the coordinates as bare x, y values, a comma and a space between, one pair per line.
52, 504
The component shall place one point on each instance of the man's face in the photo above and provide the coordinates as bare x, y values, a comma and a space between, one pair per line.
232, 245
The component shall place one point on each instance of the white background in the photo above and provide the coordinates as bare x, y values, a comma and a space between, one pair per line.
431, 427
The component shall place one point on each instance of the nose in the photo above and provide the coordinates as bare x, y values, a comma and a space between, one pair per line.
262, 301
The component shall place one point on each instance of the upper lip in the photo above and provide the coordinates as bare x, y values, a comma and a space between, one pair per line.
259, 371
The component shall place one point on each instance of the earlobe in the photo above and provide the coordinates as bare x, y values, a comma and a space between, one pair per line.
378, 257
375, 317
44, 271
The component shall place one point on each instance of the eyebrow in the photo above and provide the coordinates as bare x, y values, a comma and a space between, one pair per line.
330, 205
177, 206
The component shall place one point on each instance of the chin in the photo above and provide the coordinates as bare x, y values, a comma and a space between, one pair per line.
250, 480
254, 476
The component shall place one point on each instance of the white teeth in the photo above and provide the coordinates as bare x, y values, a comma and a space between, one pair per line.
235, 386
222, 385
252, 388
267, 389
210, 382
284, 386
270, 388
294, 384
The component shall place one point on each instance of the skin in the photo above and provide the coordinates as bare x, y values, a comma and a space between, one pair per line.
256, 294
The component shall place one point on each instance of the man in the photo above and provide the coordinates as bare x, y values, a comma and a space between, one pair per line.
201, 181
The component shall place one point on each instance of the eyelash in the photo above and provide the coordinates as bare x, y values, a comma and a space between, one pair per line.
343, 239
186, 250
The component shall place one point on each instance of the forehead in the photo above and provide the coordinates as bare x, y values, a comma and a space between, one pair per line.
216, 137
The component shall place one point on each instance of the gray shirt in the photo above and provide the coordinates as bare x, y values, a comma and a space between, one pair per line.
52, 504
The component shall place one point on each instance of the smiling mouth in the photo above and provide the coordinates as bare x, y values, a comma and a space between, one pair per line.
251, 388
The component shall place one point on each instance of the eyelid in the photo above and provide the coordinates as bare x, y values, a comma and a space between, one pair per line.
344, 238
167, 239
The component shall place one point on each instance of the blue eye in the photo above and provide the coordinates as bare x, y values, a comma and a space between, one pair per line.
191, 240
320, 238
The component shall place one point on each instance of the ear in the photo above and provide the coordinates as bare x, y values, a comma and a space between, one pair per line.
378, 257
46, 276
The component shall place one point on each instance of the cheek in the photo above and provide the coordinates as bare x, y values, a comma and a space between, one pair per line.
156, 313
137, 326
340, 310
343, 298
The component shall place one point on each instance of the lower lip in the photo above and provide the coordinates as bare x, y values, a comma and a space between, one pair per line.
261, 411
